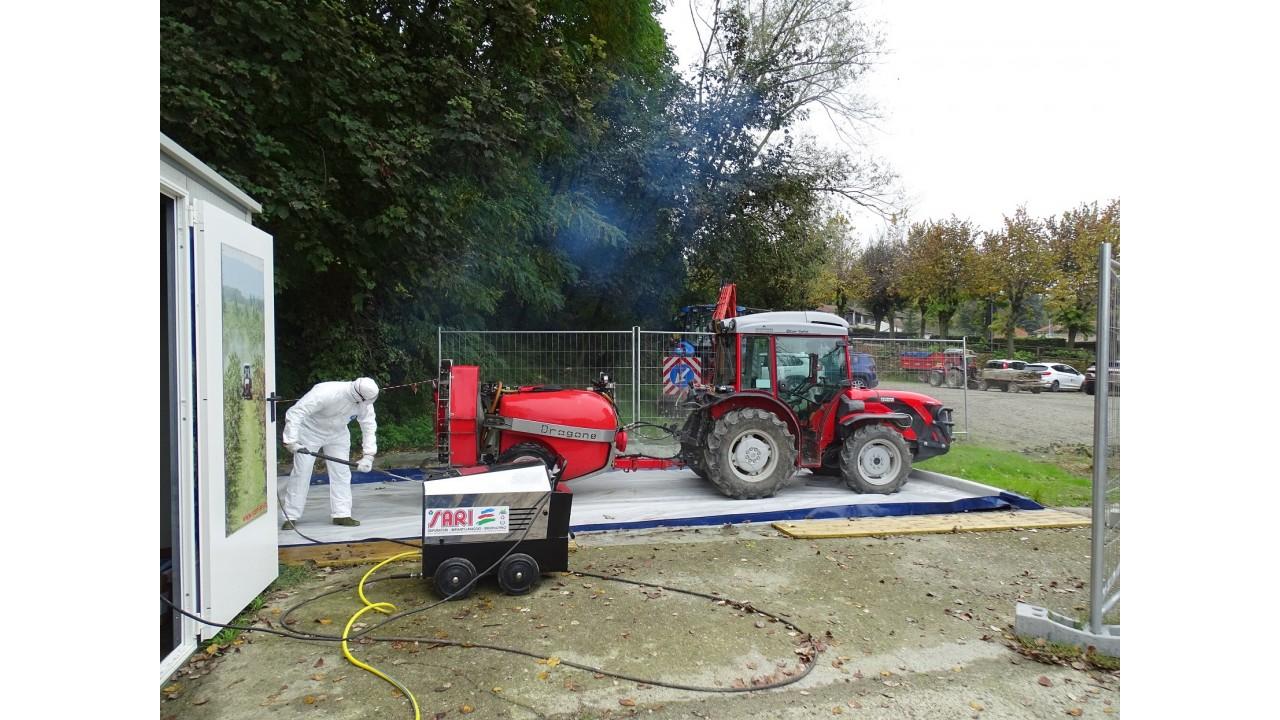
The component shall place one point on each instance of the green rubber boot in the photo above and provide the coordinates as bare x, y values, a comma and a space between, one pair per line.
349, 522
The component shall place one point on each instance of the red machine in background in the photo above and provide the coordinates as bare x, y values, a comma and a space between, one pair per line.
780, 398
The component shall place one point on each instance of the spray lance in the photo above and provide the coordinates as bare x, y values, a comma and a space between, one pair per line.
348, 463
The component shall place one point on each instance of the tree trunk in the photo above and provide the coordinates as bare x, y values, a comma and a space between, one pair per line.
922, 317
1071, 338
1008, 329
986, 326
876, 319
944, 323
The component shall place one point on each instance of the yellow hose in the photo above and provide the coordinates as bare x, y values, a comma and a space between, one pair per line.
380, 607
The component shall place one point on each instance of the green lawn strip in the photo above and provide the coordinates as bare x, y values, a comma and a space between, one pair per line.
1043, 482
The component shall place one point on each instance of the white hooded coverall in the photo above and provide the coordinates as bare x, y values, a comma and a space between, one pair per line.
318, 422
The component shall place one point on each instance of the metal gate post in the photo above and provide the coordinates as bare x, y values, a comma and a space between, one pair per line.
1101, 401
635, 374
439, 347
964, 363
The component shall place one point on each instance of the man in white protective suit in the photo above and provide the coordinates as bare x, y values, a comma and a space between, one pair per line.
318, 422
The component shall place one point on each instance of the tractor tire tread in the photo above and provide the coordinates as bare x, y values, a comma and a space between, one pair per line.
723, 478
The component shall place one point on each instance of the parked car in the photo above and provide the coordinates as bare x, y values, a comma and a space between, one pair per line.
1113, 383
1009, 376
1058, 376
864, 370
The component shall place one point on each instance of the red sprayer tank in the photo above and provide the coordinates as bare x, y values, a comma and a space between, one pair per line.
575, 429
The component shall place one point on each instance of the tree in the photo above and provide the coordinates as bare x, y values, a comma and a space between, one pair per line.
880, 267
1074, 240
939, 268
425, 163
756, 208
1018, 263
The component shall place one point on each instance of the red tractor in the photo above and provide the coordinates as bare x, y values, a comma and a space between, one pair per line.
783, 398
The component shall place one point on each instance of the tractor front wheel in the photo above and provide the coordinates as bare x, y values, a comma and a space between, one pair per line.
935, 378
875, 459
750, 453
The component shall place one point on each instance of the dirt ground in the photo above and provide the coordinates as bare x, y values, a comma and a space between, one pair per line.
913, 626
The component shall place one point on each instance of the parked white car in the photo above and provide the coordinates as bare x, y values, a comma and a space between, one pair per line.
1057, 376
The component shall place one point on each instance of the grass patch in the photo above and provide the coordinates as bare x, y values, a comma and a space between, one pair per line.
1044, 482
287, 576
1061, 654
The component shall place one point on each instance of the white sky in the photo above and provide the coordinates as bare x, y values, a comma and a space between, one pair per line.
987, 105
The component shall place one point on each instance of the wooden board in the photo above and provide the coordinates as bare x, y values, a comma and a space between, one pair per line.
342, 554
923, 524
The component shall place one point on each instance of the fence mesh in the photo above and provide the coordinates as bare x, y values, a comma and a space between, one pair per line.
1105, 570
570, 359
944, 369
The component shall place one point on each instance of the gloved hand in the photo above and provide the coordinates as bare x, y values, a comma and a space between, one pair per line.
293, 447
365, 464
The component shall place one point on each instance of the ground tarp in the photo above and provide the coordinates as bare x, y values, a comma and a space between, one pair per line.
656, 498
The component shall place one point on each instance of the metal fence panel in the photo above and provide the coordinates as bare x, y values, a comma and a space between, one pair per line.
570, 359
1104, 571
933, 367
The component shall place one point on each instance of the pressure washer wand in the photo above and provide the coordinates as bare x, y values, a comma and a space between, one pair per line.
348, 463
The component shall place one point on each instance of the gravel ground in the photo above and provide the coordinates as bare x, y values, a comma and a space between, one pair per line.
912, 627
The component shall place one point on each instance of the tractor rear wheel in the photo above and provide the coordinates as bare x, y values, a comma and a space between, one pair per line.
452, 576
750, 453
955, 378
936, 378
518, 573
693, 449
526, 451
875, 459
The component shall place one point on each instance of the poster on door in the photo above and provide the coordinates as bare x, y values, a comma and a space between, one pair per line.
243, 379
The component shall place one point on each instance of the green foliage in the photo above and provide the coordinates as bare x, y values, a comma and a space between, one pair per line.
416, 434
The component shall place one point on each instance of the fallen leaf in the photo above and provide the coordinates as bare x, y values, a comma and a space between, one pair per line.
325, 621
1075, 712
627, 702
466, 709
317, 676
1045, 681
310, 699
175, 687
497, 688
976, 705
553, 661
544, 675
201, 701
319, 663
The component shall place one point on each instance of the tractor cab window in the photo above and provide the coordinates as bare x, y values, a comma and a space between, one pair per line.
810, 371
755, 363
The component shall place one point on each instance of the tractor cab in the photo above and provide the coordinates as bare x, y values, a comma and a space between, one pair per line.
800, 359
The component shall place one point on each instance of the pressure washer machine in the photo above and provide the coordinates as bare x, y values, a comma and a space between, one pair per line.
508, 515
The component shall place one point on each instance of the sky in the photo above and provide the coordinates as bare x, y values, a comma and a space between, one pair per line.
985, 105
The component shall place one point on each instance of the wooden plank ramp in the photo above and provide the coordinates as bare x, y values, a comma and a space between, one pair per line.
343, 554
925, 524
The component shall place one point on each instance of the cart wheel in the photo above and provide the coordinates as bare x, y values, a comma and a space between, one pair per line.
455, 575
1014, 387
518, 573
983, 385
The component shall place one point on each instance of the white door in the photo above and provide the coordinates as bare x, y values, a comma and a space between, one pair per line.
235, 338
